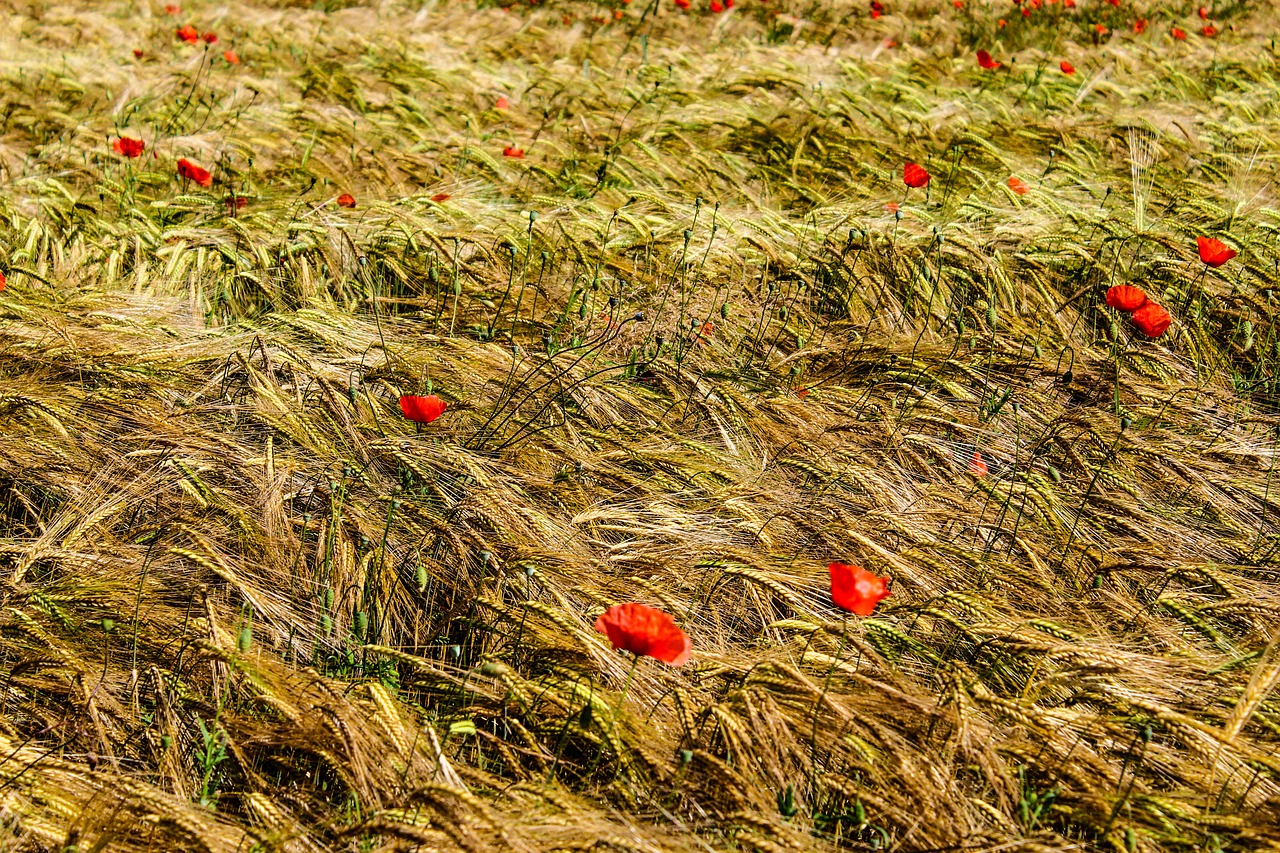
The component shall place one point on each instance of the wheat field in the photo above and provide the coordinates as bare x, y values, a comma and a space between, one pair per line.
697, 340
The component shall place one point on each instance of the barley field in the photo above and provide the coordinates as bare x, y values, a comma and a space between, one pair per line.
357, 356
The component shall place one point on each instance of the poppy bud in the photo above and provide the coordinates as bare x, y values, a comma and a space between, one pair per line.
724, 310
1067, 377
659, 340
584, 716
165, 741
1055, 475
420, 575
328, 599
688, 235
108, 625
686, 755
991, 316
1097, 581
245, 641
361, 623
1125, 423
528, 572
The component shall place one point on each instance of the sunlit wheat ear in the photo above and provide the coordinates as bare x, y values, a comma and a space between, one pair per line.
1144, 152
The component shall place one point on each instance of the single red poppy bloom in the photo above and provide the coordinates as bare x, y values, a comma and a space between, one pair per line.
802, 393
210, 38
3, 281
683, 4
891, 207
985, 60
1115, 3
439, 197
914, 175
188, 34
1213, 252
977, 467
1203, 11
137, 54
1067, 67
855, 589
192, 172
346, 200
717, 6
1016, 184
236, 202
1139, 26
959, 4
502, 103
173, 8
1026, 12
1070, 4
1100, 28
1126, 297
422, 410
645, 632
231, 57
1180, 35
1000, 23
129, 147
513, 152
1152, 319
1208, 31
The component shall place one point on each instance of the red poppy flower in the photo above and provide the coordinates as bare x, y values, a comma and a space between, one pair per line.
1115, 3
914, 175
1026, 12
1203, 11
1067, 67
439, 197
137, 54
188, 34
1139, 26
1152, 319
1180, 35
1016, 184
210, 38
129, 147
1208, 31
683, 4
513, 152
173, 8
717, 6
231, 57
422, 410
346, 200
802, 393
1213, 252
959, 4
502, 103
1000, 23
891, 207
1101, 29
645, 632
192, 172
875, 13
1069, 4
236, 202
855, 589
977, 467
1126, 297
3, 281
985, 60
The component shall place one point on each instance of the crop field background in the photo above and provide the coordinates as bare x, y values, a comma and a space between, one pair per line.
697, 340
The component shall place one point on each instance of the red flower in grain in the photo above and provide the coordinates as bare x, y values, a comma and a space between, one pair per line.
985, 61
502, 103
717, 6
1208, 31
209, 38
192, 172
513, 152
236, 202
1016, 184
1178, 34
683, 4
439, 197
977, 467
1139, 26
129, 147
231, 57
188, 34
1000, 23
914, 175
1100, 29
802, 393
1067, 67
1203, 12
959, 4
1152, 319
1126, 297
173, 8
422, 410
855, 589
1213, 252
645, 632
346, 200
138, 54
3, 281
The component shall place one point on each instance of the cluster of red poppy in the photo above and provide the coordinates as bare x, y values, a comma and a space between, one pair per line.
716, 6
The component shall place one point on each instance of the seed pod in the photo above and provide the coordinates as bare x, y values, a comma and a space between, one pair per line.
991, 316
959, 325
108, 625
782, 312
